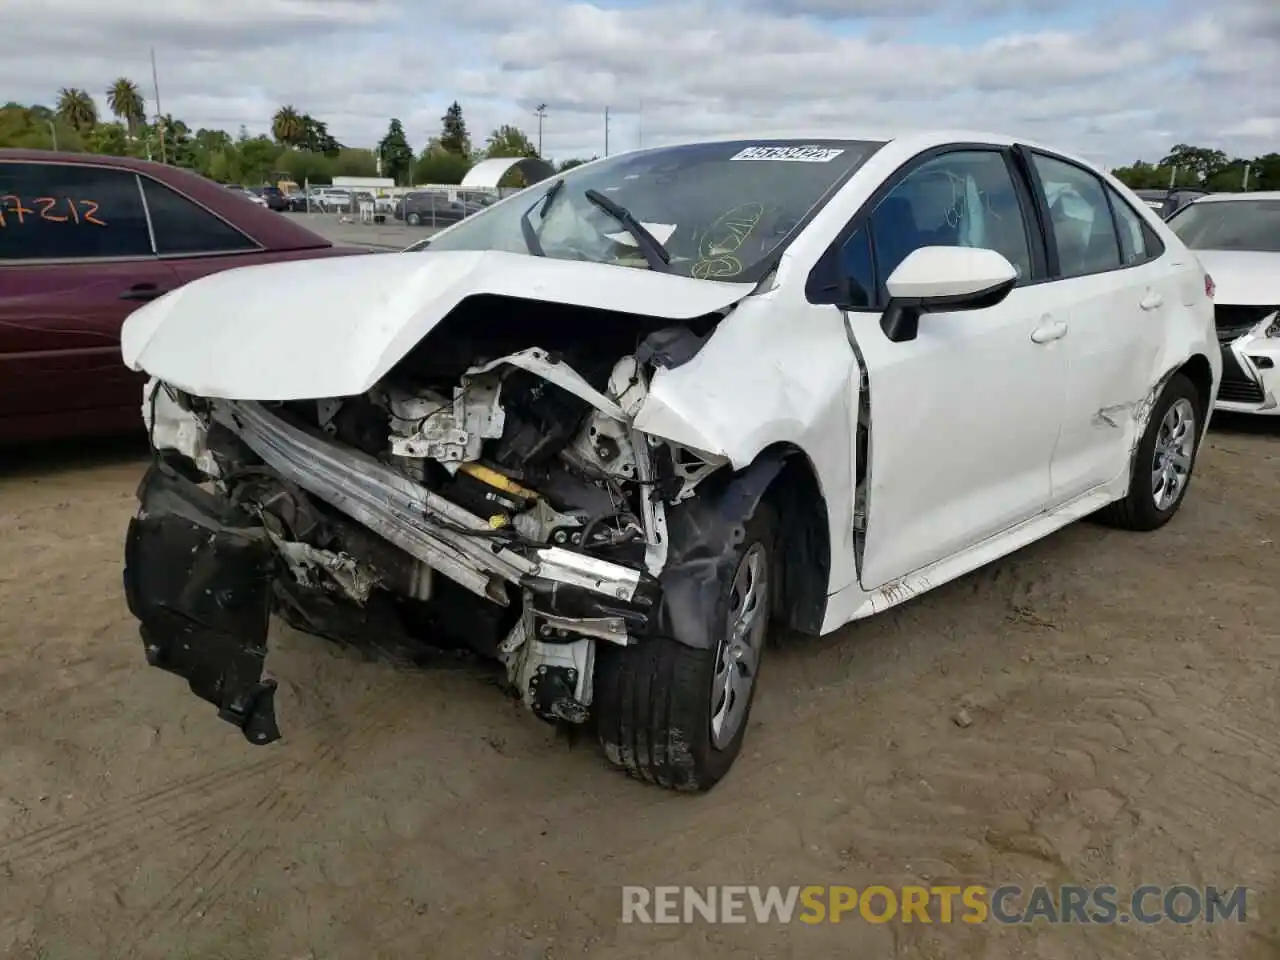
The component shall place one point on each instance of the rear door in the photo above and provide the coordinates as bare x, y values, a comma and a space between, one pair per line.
1117, 292
193, 240
76, 258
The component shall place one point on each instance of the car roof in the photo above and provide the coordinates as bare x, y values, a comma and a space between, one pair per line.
265, 226
913, 140
1225, 197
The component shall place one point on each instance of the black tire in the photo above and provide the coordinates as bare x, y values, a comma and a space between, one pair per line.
653, 701
412, 219
1138, 510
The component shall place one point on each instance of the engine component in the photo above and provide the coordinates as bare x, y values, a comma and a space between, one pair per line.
425, 424
541, 419
605, 445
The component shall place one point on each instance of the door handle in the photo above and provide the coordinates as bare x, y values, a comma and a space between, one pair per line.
1048, 332
1152, 301
143, 291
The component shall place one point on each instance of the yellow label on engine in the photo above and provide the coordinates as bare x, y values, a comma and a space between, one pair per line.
497, 521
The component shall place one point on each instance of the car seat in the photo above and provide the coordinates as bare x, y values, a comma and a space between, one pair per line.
895, 234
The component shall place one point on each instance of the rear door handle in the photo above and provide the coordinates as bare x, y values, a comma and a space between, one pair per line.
1048, 332
1152, 301
143, 291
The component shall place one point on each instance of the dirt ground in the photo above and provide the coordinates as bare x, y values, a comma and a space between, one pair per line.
1123, 691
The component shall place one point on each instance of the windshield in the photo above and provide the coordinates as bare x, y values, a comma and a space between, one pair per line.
719, 210
1230, 225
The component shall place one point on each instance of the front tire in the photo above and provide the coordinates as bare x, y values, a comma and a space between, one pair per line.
676, 715
412, 219
1163, 460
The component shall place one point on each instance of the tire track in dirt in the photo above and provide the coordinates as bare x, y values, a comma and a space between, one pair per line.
118, 827
213, 876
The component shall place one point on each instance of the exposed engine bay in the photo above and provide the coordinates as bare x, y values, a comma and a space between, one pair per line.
492, 494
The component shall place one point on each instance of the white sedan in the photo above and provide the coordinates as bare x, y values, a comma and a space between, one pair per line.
612, 430
1237, 238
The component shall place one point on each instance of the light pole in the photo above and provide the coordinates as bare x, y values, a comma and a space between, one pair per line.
540, 113
53, 132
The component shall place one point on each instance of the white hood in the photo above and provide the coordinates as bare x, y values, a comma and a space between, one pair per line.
1243, 278
334, 327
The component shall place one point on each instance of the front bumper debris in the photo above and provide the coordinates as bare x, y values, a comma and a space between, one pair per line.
419, 521
198, 576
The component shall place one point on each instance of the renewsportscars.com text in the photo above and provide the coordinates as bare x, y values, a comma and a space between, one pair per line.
1008, 904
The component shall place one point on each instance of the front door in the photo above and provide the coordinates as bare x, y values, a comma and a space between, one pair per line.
75, 260
965, 417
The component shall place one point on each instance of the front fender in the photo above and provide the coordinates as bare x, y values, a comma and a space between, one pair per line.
772, 373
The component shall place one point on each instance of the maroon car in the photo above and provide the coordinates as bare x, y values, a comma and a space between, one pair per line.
83, 241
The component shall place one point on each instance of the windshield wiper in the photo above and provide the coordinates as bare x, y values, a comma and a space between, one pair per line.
526, 225
655, 254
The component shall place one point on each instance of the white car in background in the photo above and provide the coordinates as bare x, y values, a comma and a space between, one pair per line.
249, 194
612, 429
1237, 238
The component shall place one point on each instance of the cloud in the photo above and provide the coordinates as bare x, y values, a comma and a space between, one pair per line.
1113, 85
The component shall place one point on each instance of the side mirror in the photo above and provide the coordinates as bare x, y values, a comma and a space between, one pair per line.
943, 280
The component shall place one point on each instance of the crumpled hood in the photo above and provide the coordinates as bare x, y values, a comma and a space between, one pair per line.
1243, 278
332, 328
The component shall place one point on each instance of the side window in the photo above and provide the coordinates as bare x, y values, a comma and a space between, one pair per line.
183, 227
59, 211
1080, 218
1138, 242
964, 199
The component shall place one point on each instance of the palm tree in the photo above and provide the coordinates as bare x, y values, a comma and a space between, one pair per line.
126, 104
288, 126
77, 108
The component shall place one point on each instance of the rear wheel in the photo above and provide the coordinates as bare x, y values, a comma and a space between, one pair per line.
412, 219
676, 715
1163, 460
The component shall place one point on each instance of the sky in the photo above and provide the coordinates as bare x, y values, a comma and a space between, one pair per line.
1110, 81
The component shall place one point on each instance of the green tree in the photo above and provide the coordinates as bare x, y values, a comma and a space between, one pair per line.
453, 131
395, 152
35, 128
355, 162
127, 105
258, 158
303, 166
1265, 174
315, 137
287, 126
573, 162
440, 166
509, 141
108, 139
77, 108
1202, 162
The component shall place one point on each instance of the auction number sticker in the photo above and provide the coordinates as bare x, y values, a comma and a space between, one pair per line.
806, 154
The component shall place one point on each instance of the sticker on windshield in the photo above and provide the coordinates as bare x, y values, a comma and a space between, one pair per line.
807, 154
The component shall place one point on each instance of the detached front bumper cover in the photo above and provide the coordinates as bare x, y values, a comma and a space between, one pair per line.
198, 575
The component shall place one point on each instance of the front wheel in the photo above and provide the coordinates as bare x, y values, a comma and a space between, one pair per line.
1162, 461
412, 219
676, 715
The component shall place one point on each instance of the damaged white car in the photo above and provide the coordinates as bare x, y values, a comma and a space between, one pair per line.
611, 430
1237, 238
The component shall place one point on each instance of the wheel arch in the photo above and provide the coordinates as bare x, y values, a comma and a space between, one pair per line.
704, 530
1199, 371
804, 538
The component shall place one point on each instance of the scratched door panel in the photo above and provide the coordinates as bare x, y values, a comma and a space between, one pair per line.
75, 260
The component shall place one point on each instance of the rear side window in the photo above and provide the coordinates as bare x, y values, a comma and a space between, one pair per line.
1080, 218
1138, 242
185, 228
53, 211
